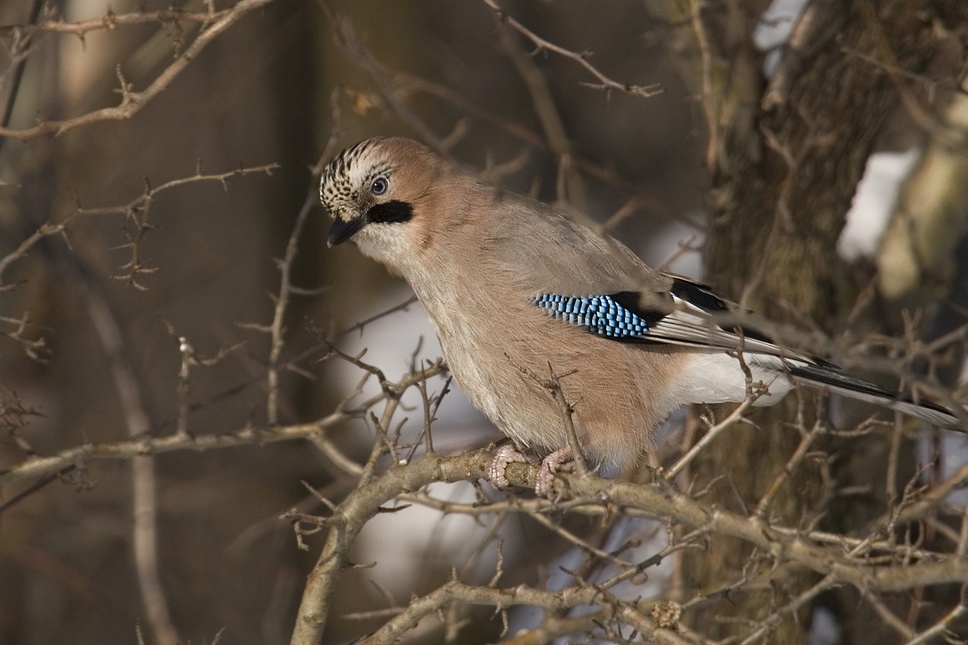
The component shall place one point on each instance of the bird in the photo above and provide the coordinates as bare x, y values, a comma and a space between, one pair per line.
521, 296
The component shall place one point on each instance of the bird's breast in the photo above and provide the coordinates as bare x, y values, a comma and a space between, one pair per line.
503, 351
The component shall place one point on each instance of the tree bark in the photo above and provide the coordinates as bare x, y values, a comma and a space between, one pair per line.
786, 158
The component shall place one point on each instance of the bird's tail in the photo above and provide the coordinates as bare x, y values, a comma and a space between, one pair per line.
854, 388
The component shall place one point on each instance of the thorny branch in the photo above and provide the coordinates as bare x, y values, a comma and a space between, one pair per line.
136, 211
604, 82
785, 545
286, 288
111, 20
213, 23
875, 565
397, 87
143, 473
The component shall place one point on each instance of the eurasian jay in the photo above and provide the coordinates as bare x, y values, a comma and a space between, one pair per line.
517, 293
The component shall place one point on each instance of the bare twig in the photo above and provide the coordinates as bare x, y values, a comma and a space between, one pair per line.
604, 82
111, 20
571, 191
940, 628
791, 545
734, 417
144, 500
131, 101
131, 209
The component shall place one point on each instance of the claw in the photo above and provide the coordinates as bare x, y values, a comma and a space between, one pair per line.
504, 455
543, 485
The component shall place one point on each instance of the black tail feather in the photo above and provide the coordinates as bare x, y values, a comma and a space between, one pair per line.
840, 383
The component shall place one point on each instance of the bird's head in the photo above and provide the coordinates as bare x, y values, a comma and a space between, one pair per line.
378, 192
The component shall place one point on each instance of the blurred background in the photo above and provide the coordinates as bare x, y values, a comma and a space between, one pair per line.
282, 82
130, 242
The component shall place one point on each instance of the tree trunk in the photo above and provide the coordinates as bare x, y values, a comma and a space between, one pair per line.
786, 158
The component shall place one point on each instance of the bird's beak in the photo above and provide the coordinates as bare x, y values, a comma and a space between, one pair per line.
342, 229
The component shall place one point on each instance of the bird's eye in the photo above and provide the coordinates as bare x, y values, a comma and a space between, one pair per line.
379, 186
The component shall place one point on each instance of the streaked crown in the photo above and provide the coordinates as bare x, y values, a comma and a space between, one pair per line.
344, 178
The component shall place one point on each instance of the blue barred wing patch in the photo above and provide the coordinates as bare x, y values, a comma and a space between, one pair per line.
601, 315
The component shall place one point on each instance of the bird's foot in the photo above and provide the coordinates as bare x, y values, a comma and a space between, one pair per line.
558, 460
504, 456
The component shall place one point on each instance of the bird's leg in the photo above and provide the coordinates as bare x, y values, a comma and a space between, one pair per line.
549, 466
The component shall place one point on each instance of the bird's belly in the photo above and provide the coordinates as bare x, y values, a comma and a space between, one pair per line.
508, 377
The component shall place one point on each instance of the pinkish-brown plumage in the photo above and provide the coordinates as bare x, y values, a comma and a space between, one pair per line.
477, 257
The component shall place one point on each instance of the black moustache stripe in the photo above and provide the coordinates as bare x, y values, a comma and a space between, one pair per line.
392, 212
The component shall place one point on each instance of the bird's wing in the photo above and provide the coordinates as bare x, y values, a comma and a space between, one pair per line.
587, 278
692, 323
546, 252
691, 320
